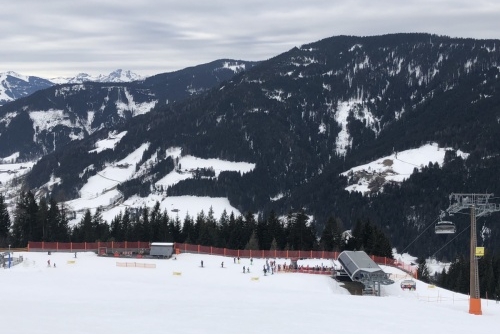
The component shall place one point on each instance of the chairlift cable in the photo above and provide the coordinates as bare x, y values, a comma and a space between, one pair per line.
446, 244
418, 236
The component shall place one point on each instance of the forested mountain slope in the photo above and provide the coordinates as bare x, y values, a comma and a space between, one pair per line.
50, 118
306, 116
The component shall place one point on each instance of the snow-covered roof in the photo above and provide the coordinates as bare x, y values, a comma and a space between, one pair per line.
162, 244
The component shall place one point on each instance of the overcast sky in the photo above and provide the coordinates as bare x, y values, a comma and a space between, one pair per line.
63, 38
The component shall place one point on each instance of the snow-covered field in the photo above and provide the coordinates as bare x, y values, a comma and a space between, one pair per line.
396, 167
90, 294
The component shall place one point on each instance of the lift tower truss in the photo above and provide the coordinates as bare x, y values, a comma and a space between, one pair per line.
479, 206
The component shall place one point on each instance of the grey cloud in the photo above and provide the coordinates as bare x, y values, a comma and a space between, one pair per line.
60, 37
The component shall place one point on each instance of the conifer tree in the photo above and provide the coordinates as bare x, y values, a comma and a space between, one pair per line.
84, 231
25, 226
4, 223
274, 245
223, 228
42, 221
301, 235
331, 237
276, 230
423, 270
188, 232
166, 228
100, 226
158, 231
253, 242
116, 229
263, 234
63, 229
176, 229
126, 226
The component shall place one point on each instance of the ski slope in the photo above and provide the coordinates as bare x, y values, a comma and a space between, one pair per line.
90, 294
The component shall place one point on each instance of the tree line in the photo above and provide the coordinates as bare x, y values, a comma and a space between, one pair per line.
47, 220
457, 276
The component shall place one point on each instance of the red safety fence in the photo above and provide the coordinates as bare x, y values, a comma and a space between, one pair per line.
198, 249
247, 253
85, 246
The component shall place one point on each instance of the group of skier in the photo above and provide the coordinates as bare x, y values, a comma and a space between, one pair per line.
270, 267
245, 269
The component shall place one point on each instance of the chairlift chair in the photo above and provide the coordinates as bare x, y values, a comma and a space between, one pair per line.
445, 227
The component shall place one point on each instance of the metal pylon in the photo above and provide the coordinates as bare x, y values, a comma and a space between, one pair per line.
479, 206
474, 272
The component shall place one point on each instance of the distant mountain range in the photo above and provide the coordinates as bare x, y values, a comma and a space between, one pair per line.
116, 76
53, 115
14, 85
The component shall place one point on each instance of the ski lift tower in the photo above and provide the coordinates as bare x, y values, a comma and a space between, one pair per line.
479, 206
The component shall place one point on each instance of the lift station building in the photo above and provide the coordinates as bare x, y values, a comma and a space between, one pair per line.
361, 268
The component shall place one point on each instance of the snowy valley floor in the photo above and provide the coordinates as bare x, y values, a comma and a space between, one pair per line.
92, 294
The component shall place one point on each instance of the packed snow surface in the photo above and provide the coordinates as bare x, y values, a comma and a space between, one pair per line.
91, 294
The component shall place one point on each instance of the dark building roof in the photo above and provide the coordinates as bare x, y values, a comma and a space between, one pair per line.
360, 268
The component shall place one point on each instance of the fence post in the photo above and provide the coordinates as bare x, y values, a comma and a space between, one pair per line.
85, 245
43, 245
210, 250
71, 246
198, 249
311, 254
57, 245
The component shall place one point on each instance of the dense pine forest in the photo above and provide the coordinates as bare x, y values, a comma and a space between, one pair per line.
47, 220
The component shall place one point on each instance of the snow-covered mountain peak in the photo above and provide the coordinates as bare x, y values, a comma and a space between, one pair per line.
118, 75
14, 85
122, 76
4, 75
